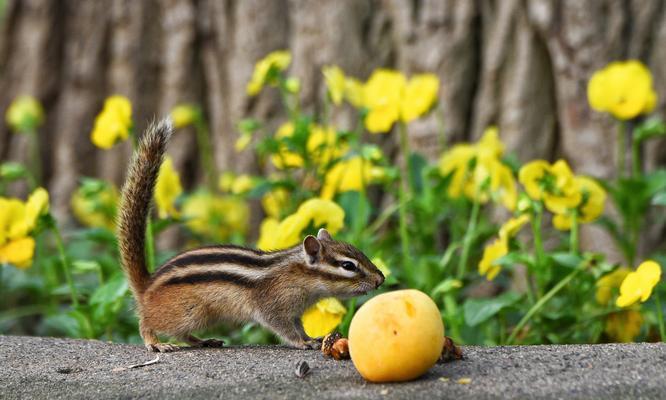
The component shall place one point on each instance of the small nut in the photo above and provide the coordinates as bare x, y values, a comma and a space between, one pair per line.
327, 343
340, 349
450, 352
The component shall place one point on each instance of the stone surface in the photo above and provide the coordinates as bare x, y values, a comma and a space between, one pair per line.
34, 367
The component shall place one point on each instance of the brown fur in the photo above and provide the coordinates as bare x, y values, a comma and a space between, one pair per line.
199, 288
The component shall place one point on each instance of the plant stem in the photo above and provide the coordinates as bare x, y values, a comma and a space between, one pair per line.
573, 238
404, 235
635, 158
404, 148
205, 151
539, 304
660, 317
538, 247
65, 262
620, 144
150, 245
405, 187
452, 313
439, 117
36, 158
467, 240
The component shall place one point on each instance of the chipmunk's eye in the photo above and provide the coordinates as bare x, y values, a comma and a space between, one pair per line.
348, 265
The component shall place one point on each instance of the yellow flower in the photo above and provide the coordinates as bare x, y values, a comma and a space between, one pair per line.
184, 115
491, 179
624, 326
354, 92
322, 146
13, 221
17, 221
277, 61
607, 283
36, 206
322, 213
457, 162
274, 202
18, 252
286, 158
242, 184
25, 114
589, 209
315, 212
216, 217
226, 181
511, 227
554, 184
389, 97
478, 173
420, 95
320, 319
623, 89
490, 144
167, 189
638, 285
349, 175
96, 207
382, 96
243, 140
335, 81
268, 234
492, 253
113, 123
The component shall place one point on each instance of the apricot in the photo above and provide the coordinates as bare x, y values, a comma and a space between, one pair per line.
396, 336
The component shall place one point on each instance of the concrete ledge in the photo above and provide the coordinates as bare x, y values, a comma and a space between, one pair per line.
34, 367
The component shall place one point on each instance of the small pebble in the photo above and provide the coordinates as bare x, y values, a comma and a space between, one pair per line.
302, 369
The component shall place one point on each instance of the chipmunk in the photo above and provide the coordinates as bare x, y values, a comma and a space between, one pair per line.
202, 287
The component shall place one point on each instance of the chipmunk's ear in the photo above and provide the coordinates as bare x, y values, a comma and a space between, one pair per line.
324, 235
312, 248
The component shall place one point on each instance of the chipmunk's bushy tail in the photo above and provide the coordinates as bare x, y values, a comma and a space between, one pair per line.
135, 203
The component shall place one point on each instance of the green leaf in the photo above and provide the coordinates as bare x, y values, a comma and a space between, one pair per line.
650, 128
249, 125
448, 254
513, 258
83, 266
357, 208
659, 199
73, 323
446, 286
112, 290
566, 259
12, 171
478, 311
417, 164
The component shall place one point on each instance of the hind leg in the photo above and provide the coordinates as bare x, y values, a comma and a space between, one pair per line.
152, 342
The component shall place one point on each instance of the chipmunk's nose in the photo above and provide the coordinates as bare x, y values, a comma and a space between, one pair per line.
380, 280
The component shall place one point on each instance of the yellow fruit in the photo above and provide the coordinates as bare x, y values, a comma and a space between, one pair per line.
396, 336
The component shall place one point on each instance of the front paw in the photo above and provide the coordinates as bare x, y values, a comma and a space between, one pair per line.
310, 344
